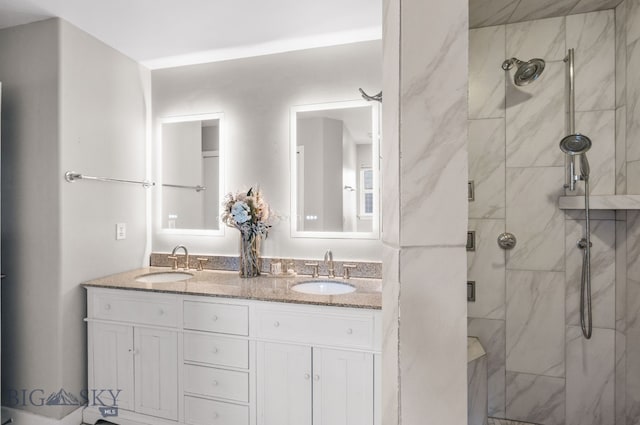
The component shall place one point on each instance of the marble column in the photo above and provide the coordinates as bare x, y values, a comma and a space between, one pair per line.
424, 206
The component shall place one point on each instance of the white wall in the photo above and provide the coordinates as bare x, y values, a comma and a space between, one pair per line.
71, 103
31, 257
256, 94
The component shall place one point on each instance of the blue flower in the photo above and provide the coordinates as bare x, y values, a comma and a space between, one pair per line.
240, 212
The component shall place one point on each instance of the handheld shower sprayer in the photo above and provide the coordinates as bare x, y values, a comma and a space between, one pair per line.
577, 144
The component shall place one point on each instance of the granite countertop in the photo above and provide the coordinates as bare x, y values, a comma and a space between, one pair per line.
228, 284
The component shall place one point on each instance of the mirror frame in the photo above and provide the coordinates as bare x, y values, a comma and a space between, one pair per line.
221, 173
375, 162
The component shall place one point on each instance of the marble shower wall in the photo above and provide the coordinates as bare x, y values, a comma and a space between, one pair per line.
526, 306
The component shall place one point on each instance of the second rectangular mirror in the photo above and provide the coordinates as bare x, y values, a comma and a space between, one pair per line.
334, 170
191, 174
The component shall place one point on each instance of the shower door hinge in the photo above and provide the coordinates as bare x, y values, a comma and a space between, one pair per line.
471, 191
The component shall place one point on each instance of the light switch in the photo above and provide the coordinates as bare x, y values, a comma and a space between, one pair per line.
121, 231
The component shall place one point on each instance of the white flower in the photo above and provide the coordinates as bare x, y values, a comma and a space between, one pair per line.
240, 212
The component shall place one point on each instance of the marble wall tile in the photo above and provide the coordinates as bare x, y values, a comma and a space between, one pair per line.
590, 387
390, 324
491, 334
486, 76
390, 181
535, 323
432, 286
621, 52
543, 38
528, 142
433, 139
600, 126
592, 35
390, 142
535, 398
485, 266
477, 391
533, 216
621, 275
633, 178
621, 379
483, 13
633, 318
584, 6
487, 168
633, 102
536, 9
621, 150
633, 21
603, 272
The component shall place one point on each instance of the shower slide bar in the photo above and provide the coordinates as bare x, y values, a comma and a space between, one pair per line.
72, 176
197, 188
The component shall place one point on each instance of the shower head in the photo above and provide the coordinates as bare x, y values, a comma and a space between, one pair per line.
578, 144
575, 144
527, 72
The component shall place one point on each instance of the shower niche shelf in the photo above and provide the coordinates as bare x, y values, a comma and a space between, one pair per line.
600, 202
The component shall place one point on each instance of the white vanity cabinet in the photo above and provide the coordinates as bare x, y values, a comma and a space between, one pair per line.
315, 365
203, 360
133, 352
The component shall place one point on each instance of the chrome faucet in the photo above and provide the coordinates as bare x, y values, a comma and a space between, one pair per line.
175, 258
328, 260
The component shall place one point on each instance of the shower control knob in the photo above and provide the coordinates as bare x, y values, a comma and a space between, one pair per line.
506, 240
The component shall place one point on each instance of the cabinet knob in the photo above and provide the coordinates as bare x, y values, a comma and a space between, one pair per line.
307, 376
349, 331
214, 318
316, 377
107, 306
215, 350
215, 415
161, 312
214, 383
276, 323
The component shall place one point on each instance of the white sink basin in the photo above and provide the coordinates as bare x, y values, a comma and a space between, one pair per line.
323, 287
163, 277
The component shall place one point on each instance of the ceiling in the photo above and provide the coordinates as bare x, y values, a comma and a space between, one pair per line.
164, 33
484, 13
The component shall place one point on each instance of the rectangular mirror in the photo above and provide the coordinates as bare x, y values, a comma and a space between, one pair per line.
191, 174
334, 170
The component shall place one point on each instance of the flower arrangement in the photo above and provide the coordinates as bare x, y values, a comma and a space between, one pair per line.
249, 213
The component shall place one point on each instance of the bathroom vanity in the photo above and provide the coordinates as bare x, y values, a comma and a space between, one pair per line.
217, 349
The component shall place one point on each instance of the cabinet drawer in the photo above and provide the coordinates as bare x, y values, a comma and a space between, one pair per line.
216, 350
130, 307
198, 411
316, 328
213, 382
223, 318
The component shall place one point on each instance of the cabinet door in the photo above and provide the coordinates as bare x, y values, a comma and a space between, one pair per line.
156, 372
111, 363
342, 387
284, 384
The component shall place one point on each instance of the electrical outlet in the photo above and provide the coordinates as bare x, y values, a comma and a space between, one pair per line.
121, 231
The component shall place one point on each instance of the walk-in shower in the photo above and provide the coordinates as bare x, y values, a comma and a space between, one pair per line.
527, 72
573, 145
577, 145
